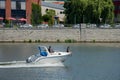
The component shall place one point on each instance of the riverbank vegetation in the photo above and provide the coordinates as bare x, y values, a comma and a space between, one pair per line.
58, 41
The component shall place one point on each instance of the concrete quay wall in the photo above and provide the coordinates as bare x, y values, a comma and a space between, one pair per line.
102, 35
52, 35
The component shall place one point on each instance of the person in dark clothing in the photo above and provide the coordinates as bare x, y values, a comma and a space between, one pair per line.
68, 49
50, 49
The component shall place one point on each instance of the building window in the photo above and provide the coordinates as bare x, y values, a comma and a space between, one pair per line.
60, 12
18, 5
2, 4
46, 9
13, 5
118, 7
23, 7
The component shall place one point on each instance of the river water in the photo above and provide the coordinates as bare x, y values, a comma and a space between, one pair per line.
89, 61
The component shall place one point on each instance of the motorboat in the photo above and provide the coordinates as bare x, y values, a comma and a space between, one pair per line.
46, 56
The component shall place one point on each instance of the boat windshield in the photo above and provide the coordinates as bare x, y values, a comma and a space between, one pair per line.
43, 51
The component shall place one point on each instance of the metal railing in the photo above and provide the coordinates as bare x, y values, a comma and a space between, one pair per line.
67, 26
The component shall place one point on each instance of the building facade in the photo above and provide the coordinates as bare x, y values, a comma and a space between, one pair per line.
53, 0
117, 10
22, 8
59, 10
17, 9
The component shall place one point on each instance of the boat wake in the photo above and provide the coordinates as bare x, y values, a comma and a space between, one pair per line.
23, 64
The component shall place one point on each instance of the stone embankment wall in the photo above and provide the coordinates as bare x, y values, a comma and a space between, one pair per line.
53, 35
100, 35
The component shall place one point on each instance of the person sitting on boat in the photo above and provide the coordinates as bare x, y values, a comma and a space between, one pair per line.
68, 49
50, 49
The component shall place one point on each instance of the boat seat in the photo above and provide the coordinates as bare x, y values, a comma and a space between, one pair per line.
43, 53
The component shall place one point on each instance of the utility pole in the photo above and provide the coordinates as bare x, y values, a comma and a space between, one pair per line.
75, 19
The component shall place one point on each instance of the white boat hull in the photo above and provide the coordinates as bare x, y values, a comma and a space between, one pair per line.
55, 58
51, 59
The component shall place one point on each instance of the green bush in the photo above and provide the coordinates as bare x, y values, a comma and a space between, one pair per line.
70, 41
58, 40
7, 25
30, 41
39, 41
93, 41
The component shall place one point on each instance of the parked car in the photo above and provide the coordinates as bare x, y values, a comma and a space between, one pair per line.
26, 26
58, 26
42, 26
76, 26
117, 26
105, 26
91, 26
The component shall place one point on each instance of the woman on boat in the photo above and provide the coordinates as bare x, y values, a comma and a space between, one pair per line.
50, 49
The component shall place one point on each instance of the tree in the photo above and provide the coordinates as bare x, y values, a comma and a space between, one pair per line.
49, 16
74, 11
107, 14
36, 16
89, 11
93, 11
46, 18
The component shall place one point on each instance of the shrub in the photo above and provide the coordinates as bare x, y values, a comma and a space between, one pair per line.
39, 41
70, 41
58, 40
93, 41
30, 41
